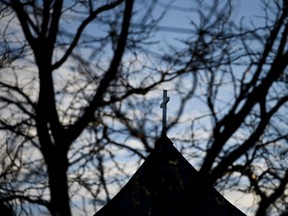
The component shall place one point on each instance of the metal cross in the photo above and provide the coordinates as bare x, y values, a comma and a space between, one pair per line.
163, 105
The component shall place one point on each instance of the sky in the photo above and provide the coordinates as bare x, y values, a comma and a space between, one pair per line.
181, 16
173, 28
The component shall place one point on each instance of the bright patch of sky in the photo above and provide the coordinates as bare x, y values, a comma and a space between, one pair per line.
180, 13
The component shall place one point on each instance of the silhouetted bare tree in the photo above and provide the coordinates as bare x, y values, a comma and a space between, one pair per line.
67, 72
243, 86
76, 85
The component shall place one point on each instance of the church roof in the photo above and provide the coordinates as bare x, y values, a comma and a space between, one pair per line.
167, 184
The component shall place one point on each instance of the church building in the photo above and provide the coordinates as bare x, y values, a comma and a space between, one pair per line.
166, 184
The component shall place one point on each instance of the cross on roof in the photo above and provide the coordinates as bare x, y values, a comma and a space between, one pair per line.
163, 105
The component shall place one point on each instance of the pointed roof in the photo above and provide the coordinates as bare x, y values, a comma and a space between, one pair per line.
167, 184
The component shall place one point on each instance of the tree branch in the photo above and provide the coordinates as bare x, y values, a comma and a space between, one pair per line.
81, 28
75, 130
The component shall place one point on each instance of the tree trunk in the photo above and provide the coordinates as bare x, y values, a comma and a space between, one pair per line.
57, 171
50, 133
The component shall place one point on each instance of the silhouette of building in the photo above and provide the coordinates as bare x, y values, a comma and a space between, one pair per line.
167, 184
